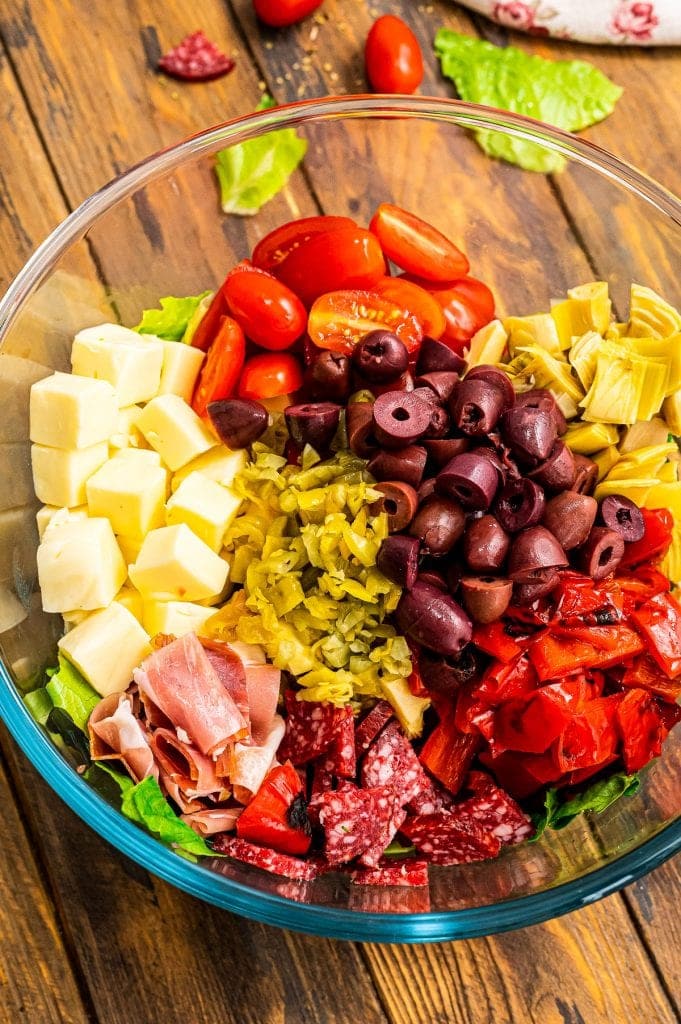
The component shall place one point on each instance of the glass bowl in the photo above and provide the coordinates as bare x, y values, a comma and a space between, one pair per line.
158, 230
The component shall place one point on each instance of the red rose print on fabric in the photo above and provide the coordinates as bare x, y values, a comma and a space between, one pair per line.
635, 21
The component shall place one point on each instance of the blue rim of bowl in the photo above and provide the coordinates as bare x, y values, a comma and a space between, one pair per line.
194, 879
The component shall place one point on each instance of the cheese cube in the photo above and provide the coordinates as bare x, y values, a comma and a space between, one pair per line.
106, 647
132, 600
60, 474
129, 492
179, 370
219, 464
173, 429
130, 363
175, 565
80, 566
72, 619
72, 412
130, 548
125, 433
206, 507
48, 515
140, 456
174, 618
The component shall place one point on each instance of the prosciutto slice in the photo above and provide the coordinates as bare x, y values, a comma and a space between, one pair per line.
216, 819
229, 669
115, 734
183, 764
262, 686
251, 764
183, 684
186, 805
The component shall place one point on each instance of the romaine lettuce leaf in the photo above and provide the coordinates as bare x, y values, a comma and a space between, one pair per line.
570, 94
68, 690
252, 172
170, 321
558, 812
39, 703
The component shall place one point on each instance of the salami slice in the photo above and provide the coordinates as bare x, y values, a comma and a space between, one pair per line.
479, 782
370, 726
355, 821
447, 838
322, 782
266, 859
431, 799
499, 815
310, 729
405, 872
391, 761
372, 855
341, 759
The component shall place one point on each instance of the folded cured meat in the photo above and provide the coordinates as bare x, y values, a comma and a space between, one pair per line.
262, 686
229, 668
251, 764
213, 820
115, 734
181, 762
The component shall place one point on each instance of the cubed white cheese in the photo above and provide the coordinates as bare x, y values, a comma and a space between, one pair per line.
129, 492
106, 647
175, 565
48, 514
181, 365
132, 600
174, 618
219, 464
141, 456
130, 548
72, 412
132, 364
60, 474
125, 433
206, 507
72, 619
80, 566
173, 429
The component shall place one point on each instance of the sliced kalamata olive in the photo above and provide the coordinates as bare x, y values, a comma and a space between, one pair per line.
444, 449
485, 544
359, 422
520, 504
533, 549
454, 573
399, 501
398, 559
436, 357
433, 619
485, 598
439, 523
586, 475
329, 377
530, 433
292, 452
380, 357
426, 489
539, 398
405, 464
405, 382
427, 394
602, 553
624, 517
569, 516
446, 675
557, 473
439, 423
493, 458
400, 418
469, 478
442, 384
313, 423
539, 583
238, 422
433, 579
476, 406
493, 375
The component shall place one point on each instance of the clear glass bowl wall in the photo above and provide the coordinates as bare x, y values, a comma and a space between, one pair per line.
158, 230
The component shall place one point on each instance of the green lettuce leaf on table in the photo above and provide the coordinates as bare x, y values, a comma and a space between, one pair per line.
569, 94
68, 690
171, 320
252, 172
558, 812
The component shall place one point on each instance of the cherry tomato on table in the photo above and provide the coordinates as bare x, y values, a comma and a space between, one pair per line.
345, 257
269, 375
338, 320
284, 12
467, 305
392, 56
268, 312
417, 300
275, 247
222, 366
416, 246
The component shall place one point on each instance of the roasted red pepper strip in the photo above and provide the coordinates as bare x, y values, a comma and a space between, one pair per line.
448, 753
521, 774
654, 543
493, 639
641, 727
277, 814
646, 675
556, 656
503, 682
578, 598
531, 726
660, 622
640, 585
590, 738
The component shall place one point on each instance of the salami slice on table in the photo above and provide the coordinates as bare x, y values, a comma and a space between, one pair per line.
405, 872
341, 759
370, 726
310, 729
266, 859
356, 821
391, 761
446, 838
499, 815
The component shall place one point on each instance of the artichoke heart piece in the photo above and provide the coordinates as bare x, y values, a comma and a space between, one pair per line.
626, 387
583, 356
587, 308
651, 316
587, 438
644, 435
671, 410
668, 350
644, 462
539, 329
550, 372
636, 490
605, 460
408, 708
487, 345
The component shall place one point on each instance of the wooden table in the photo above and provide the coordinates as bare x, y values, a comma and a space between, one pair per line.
85, 934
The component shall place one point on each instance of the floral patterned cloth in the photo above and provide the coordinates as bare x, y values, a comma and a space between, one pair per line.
629, 22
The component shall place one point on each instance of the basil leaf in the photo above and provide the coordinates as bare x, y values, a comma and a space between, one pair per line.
570, 94
68, 690
171, 320
558, 813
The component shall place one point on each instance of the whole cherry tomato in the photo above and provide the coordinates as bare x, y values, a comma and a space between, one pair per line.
284, 12
222, 366
416, 299
268, 312
416, 246
467, 305
339, 319
269, 375
347, 257
276, 246
392, 56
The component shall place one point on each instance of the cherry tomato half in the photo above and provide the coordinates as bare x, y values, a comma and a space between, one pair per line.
284, 12
467, 304
269, 375
209, 324
222, 366
416, 246
332, 260
276, 246
392, 56
338, 320
267, 311
417, 300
